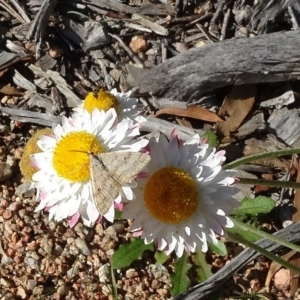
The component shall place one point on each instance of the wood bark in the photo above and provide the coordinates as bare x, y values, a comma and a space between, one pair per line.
265, 58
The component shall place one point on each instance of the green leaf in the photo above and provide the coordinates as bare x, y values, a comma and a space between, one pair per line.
218, 248
161, 257
180, 281
118, 215
203, 268
212, 139
259, 205
127, 253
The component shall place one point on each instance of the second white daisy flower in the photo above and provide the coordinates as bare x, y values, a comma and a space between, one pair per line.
184, 202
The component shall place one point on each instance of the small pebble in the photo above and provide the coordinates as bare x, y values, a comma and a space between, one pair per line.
155, 284
62, 290
13, 206
22, 213
38, 290
8, 296
138, 44
5, 283
81, 245
31, 284
70, 240
118, 227
25, 190
7, 214
73, 271
162, 292
104, 273
99, 229
131, 273
6, 260
106, 290
48, 248
111, 233
32, 263
10, 160
52, 225
21, 293
58, 250
140, 288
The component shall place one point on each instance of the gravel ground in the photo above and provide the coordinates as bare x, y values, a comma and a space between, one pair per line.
48, 260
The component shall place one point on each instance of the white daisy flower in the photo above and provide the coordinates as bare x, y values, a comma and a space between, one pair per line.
126, 107
184, 201
63, 179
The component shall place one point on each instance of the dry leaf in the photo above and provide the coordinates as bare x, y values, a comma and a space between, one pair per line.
10, 90
282, 279
275, 267
236, 107
261, 188
184, 122
192, 111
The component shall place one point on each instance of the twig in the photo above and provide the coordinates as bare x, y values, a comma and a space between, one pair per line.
20, 9
127, 49
192, 19
218, 12
225, 24
163, 50
15, 60
202, 18
39, 24
293, 18
213, 28
7, 7
206, 33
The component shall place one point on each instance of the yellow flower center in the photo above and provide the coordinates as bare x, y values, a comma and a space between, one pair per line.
103, 101
71, 159
171, 195
26, 167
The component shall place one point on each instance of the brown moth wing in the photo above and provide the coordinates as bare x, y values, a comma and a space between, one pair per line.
124, 166
105, 187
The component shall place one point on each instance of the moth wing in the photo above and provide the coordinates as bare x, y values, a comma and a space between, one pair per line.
124, 166
105, 188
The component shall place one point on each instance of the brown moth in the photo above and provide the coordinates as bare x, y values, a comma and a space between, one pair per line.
109, 171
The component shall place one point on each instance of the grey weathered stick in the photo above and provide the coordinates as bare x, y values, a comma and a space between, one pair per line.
71, 98
266, 58
8, 8
158, 125
30, 116
39, 24
21, 11
290, 234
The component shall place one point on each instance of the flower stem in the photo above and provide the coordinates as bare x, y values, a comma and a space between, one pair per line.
283, 184
263, 234
250, 158
264, 252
